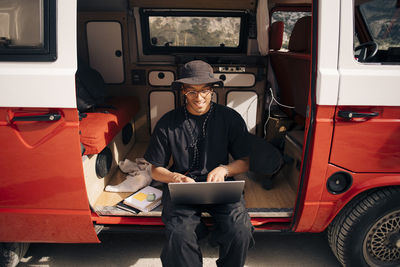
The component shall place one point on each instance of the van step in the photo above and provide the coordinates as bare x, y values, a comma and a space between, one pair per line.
253, 212
270, 212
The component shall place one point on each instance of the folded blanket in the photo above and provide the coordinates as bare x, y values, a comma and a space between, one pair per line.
131, 183
128, 166
139, 176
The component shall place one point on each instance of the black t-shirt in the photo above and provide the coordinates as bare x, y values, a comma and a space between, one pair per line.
225, 133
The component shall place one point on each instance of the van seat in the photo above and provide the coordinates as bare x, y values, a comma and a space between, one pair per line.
292, 68
276, 35
101, 126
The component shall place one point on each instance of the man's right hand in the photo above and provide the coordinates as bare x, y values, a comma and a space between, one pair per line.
166, 176
180, 178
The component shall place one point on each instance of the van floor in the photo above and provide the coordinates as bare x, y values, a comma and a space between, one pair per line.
276, 202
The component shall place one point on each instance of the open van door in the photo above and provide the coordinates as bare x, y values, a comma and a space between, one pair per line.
42, 190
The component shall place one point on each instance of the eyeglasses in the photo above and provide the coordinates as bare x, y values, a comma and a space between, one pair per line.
202, 93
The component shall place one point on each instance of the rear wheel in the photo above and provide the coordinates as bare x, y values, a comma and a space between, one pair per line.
367, 231
12, 253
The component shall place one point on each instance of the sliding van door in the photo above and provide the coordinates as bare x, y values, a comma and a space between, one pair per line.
366, 136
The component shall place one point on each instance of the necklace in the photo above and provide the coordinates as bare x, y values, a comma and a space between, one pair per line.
195, 141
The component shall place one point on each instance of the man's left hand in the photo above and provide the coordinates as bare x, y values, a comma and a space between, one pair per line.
217, 175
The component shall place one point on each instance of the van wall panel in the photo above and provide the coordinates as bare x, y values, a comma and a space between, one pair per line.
245, 103
161, 78
160, 103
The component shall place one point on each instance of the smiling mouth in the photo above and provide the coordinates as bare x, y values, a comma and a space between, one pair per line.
198, 107
199, 104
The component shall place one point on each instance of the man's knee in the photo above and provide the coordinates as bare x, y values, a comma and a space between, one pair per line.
241, 230
181, 234
238, 229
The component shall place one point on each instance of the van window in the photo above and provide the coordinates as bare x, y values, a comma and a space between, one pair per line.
194, 31
289, 18
183, 31
27, 30
382, 21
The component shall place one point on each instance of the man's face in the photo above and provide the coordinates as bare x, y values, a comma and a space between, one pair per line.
198, 98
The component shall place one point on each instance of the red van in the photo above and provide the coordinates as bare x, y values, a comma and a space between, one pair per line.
319, 79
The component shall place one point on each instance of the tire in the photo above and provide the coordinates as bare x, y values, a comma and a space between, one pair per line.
367, 231
12, 253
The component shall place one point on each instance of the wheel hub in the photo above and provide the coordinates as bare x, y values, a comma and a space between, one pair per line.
382, 242
394, 240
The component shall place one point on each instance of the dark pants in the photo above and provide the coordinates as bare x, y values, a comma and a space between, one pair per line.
233, 233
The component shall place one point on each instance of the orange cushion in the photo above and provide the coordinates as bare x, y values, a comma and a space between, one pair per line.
99, 128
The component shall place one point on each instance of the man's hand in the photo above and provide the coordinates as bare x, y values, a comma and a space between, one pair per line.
166, 176
180, 178
217, 175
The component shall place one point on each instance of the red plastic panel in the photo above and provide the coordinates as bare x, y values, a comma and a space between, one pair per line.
259, 223
46, 225
331, 204
42, 174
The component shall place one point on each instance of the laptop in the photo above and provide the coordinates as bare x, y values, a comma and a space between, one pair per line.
206, 192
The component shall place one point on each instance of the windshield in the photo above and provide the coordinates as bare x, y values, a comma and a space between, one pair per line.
289, 18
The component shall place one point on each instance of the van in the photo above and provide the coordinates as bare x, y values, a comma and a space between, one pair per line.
318, 79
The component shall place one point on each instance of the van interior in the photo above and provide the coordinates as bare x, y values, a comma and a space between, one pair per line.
262, 51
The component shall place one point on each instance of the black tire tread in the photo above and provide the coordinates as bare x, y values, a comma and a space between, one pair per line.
340, 227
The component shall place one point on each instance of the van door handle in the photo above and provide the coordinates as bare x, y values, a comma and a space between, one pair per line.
45, 117
350, 114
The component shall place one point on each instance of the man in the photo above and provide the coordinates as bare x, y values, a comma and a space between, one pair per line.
199, 136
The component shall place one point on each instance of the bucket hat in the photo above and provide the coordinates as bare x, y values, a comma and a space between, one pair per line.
196, 72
